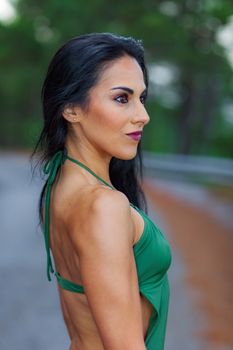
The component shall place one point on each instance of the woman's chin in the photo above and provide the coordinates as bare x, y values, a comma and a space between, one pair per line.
126, 155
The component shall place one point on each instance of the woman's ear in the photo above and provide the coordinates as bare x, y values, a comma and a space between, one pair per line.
72, 113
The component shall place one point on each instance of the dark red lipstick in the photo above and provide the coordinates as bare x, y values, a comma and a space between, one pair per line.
135, 135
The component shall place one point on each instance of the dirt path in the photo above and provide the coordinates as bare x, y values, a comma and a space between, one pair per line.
206, 245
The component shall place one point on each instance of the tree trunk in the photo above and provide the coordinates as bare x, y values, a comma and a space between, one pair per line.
187, 115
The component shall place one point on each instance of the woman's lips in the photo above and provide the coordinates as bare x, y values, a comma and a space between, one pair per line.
135, 135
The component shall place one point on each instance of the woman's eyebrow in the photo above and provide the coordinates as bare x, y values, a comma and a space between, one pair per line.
127, 89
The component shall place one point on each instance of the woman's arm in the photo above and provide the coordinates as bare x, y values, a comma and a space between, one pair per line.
108, 270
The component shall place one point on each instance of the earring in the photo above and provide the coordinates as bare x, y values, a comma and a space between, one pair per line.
74, 119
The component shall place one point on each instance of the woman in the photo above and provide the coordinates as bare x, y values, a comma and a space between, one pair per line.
110, 259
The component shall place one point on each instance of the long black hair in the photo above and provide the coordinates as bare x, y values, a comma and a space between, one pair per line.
73, 71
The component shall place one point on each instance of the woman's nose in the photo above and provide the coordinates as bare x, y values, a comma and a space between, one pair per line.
141, 115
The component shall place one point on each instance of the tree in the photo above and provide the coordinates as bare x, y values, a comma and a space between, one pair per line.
182, 33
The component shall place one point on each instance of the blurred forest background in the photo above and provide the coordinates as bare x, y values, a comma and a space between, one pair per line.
189, 50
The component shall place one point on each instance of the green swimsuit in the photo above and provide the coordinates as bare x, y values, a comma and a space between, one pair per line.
152, 256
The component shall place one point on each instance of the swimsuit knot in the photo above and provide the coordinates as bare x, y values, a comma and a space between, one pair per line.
52, 165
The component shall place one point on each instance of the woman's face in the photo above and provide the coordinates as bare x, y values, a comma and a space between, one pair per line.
116, 109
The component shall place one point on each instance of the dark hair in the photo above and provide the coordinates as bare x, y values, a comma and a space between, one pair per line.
73, 71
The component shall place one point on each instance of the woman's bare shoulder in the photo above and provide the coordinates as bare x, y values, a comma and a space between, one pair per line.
98, 208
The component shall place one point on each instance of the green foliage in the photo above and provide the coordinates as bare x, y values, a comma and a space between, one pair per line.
182, 33
159, 134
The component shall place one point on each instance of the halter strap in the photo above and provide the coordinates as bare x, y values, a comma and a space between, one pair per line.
51, 168
89, 170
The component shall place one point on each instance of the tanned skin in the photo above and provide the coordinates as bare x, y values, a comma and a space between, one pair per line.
93, 228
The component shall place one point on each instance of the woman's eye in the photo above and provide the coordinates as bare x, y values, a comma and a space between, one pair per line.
143, 99
122, 98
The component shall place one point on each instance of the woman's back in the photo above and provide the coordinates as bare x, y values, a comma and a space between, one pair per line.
72, 197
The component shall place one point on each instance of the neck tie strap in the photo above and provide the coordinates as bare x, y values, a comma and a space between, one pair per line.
50, 169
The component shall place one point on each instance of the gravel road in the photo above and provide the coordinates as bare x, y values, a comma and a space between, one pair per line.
30, 317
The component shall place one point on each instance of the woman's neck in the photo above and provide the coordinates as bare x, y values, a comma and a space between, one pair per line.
90, 157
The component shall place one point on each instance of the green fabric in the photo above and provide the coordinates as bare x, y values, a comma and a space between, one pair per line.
68, 285
152, 256
50, 169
